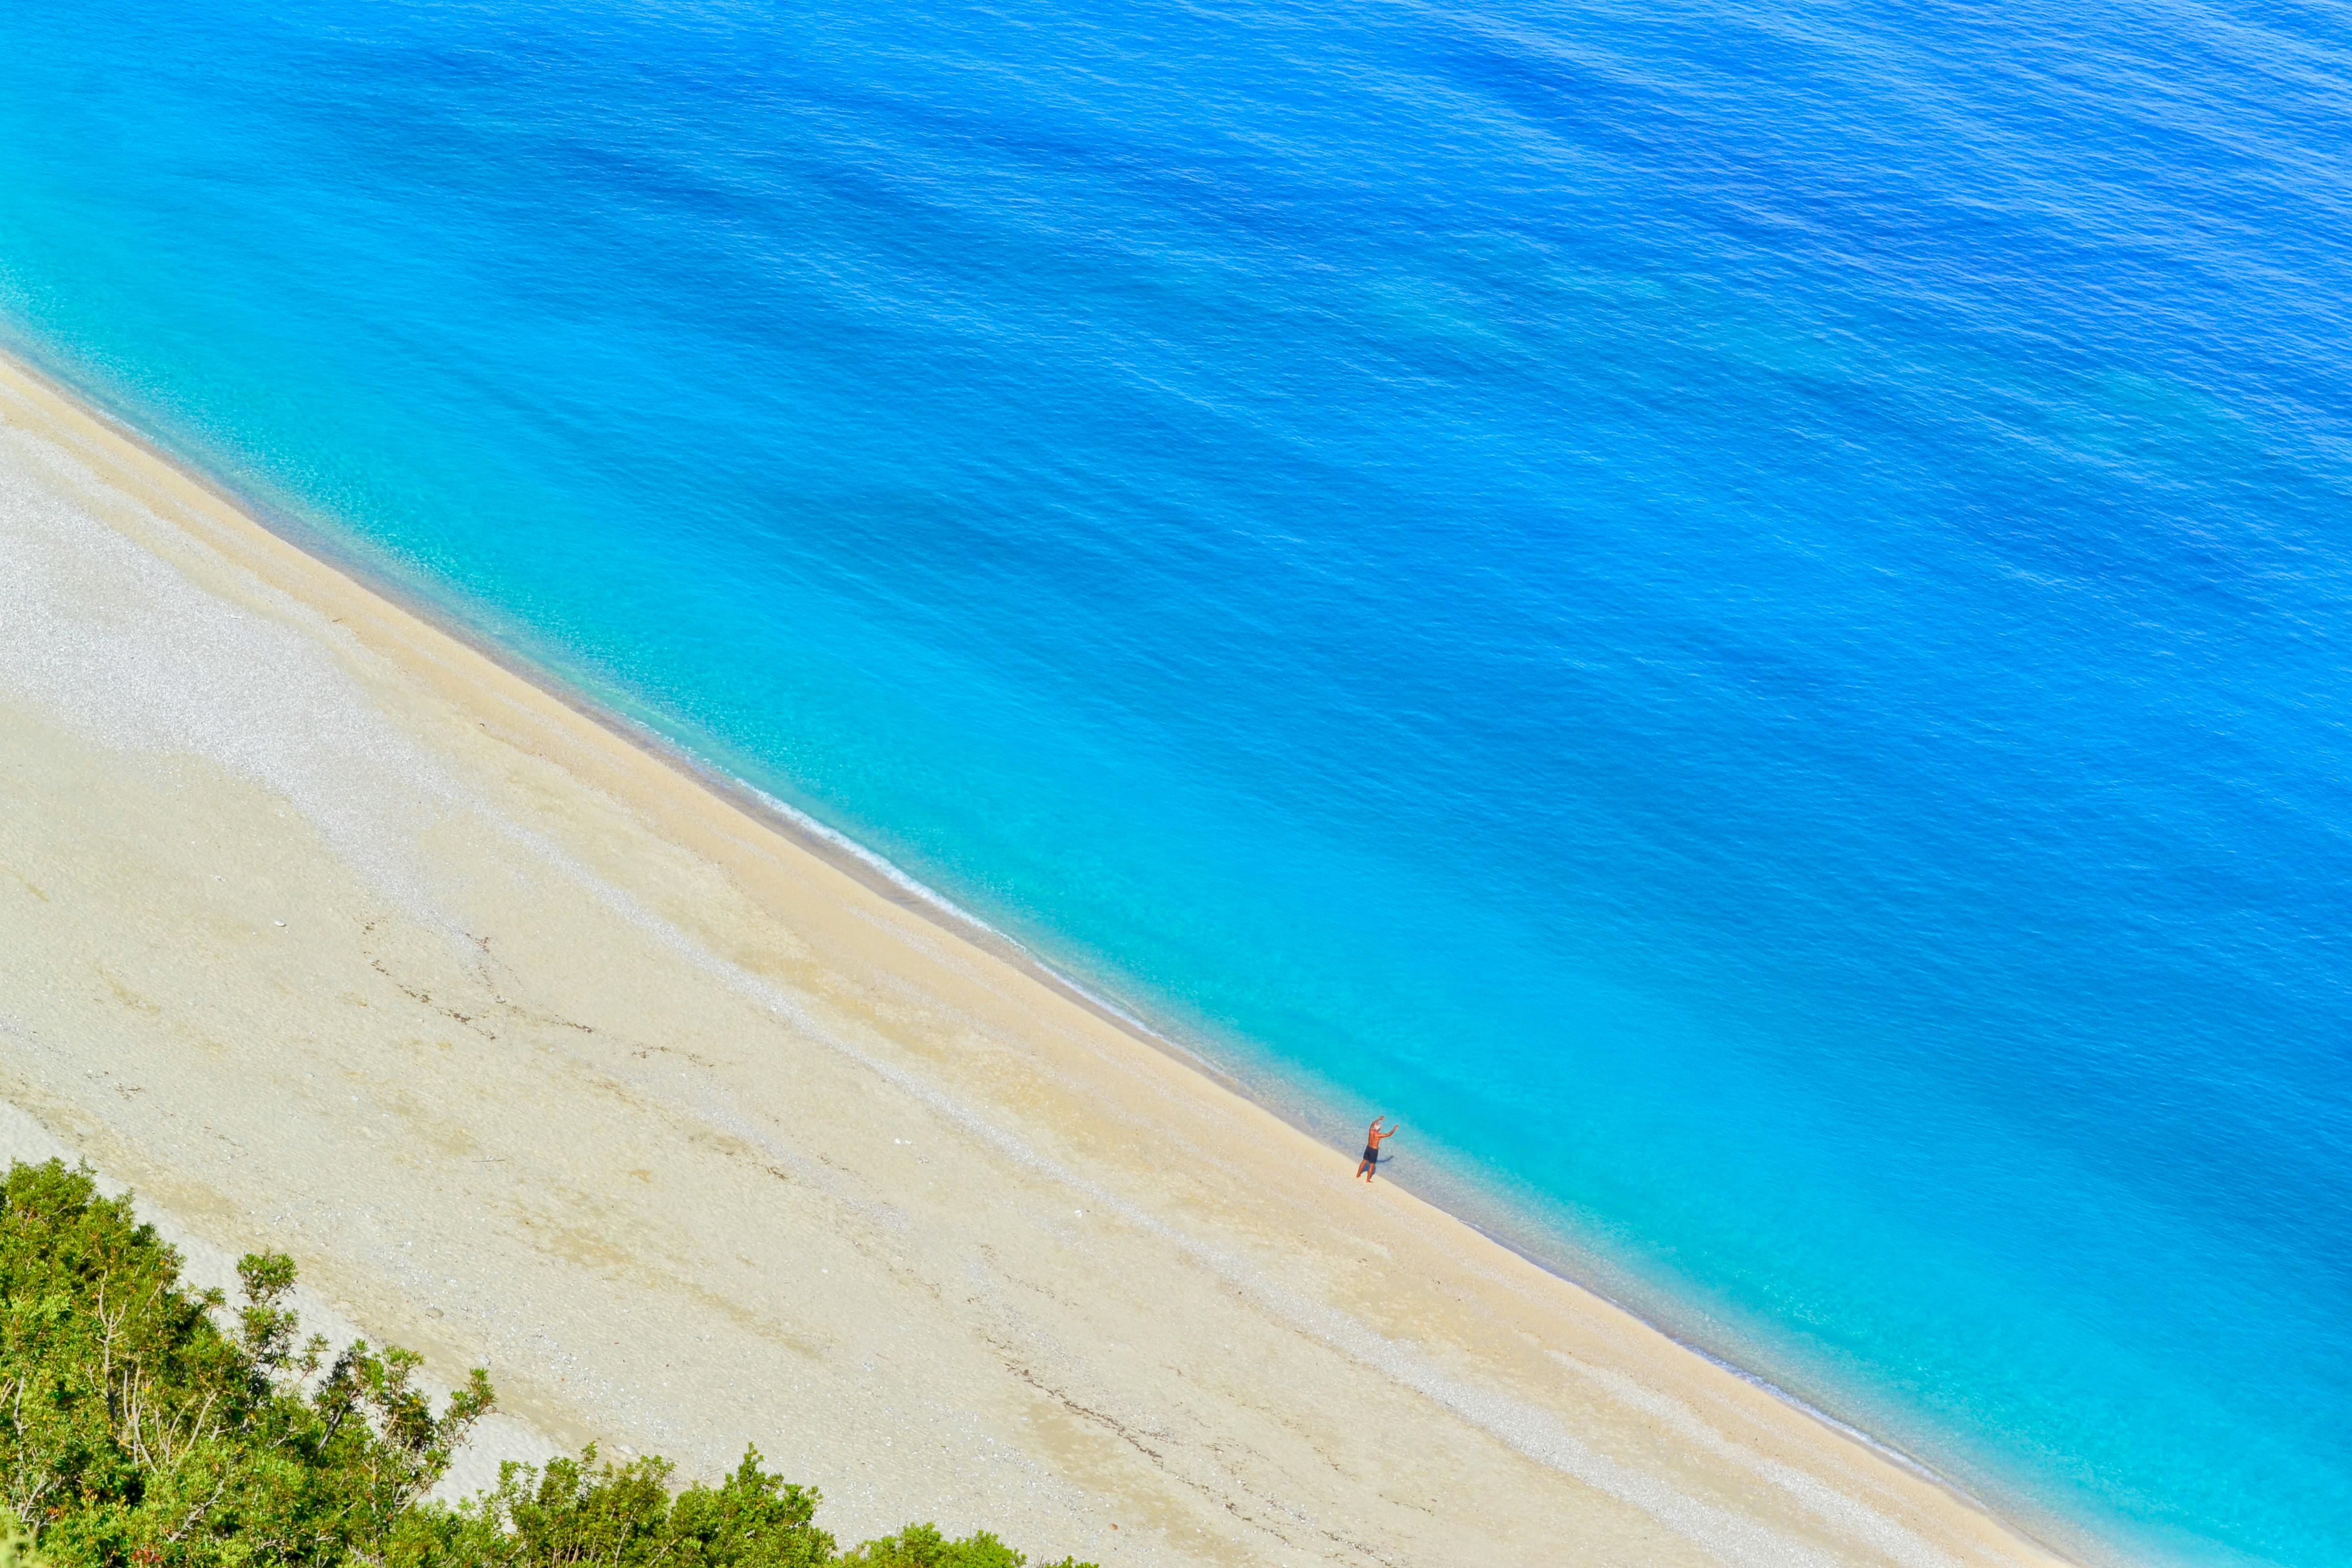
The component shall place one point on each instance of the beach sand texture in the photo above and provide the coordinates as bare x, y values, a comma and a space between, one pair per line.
327, 933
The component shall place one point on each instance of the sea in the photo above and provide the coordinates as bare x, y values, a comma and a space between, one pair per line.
1738, 611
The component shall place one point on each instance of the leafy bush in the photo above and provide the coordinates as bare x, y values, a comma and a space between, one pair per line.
922, 1546
137, 1432
623, 1515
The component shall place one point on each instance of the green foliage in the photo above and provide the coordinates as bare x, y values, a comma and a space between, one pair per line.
16, 1545
625, 1515
136, 1432
133, 1429
922, 1546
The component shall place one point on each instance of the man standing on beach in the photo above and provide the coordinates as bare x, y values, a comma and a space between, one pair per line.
1373, 1147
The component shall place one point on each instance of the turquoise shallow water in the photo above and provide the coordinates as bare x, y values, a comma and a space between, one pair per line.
1738, 612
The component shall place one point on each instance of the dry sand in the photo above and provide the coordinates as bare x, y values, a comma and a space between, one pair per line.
328, 934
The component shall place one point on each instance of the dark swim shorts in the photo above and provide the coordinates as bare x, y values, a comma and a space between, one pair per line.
1372, 1152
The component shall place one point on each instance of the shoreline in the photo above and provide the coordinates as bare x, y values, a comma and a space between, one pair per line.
886, 882
778, 815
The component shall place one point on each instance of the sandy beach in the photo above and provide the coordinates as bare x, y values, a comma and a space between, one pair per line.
326, 934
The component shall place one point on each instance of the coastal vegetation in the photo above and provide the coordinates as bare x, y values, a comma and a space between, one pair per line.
143, 1425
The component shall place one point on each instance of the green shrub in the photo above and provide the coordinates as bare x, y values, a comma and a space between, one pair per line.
136, 1432
922, 1546
16, 1545
624, 1515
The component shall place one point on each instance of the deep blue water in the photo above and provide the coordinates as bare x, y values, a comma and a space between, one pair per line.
1737, 611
